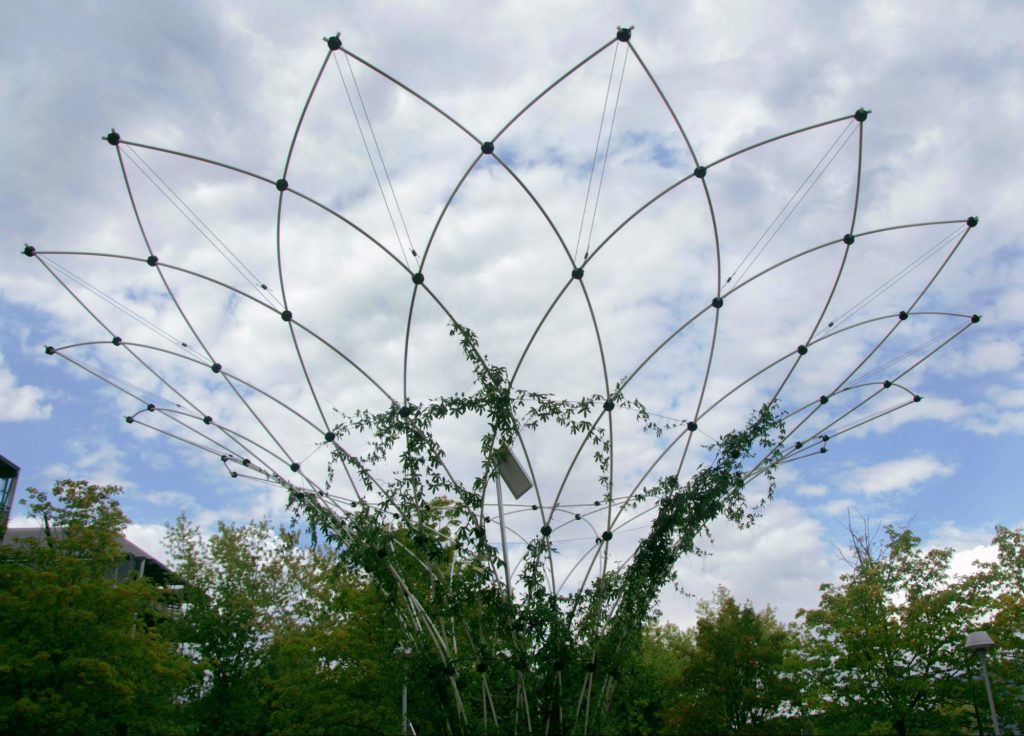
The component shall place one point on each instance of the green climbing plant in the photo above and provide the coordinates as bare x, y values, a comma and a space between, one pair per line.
526, 658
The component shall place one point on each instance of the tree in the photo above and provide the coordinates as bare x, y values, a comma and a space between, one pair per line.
998, 587
650, 681
885, 644
289, 641
734, 679
80, 651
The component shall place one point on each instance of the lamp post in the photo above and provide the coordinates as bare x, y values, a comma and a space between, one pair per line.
980, 642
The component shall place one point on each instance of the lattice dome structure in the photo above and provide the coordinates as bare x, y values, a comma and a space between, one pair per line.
622, 300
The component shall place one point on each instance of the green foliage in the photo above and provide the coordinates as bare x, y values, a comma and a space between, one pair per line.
997, 587
78, 650
885, 646
735, 679
650, 682
523, 653
287, 640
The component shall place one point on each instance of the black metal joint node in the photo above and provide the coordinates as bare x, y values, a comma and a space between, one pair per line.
152, 260
903, 315
50, 350
861, 115
823, 400
112, 137
294, 467
281, 184
917, 398
487, 148
216, 367
29, 250
975, 319
129, 420
972, 221
150, 407
700, 172
886, 384
609, 405
692, 426
545, 530
848, 238
802, 349
606, 536
624, 34
417, 278
334, 42
286, 315
798, 445
577, 273
329, 437
207, 420
717, 302
116, 341
405, 411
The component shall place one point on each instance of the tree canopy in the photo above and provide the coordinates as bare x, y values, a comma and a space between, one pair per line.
274, 634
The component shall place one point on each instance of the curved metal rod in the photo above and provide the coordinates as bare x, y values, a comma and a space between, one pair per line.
664, 99
550, 87
305, 372
939, 270
296, 322
831, 293
277, 229
272, 182
860, 161
758, 275
780, 137
411, 91
704, 384
302, 115
631, 217
444, 210
201, 159
536, 330
539, 206
145, 239
565, 579
405, 352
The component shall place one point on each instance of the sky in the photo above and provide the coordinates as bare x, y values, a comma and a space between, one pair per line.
941, 143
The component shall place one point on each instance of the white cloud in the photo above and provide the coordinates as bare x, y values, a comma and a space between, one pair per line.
990, 354
780, 561
96, 458
838, 506
21, 402
150, 537
495, 261
897, 475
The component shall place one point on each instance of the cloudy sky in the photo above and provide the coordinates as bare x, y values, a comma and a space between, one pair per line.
369, 177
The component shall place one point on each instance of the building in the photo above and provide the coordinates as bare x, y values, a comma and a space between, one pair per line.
8, 484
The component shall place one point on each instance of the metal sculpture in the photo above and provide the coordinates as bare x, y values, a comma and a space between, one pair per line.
522, 572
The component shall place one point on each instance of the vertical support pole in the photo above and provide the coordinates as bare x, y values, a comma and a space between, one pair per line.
405, 708
988, 691
504, 544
